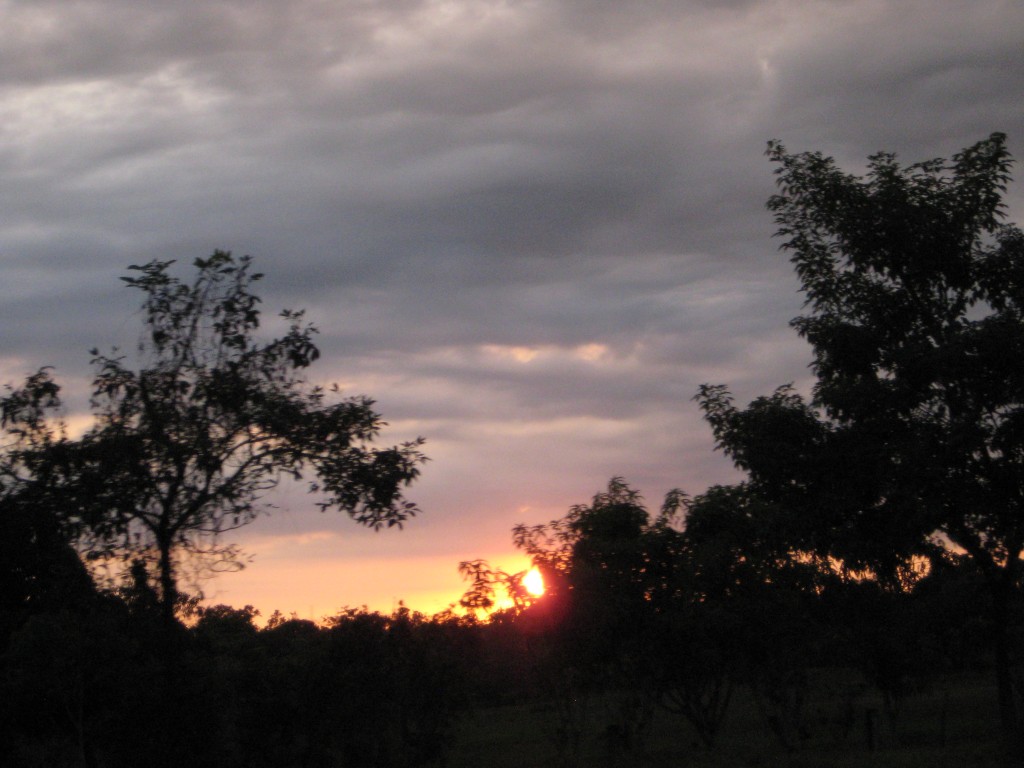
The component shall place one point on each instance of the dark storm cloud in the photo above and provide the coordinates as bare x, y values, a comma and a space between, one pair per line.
530, 229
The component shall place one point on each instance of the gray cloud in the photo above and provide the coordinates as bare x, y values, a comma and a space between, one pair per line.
530, 229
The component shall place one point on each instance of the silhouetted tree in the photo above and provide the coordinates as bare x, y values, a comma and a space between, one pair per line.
756, 595
184, 447
915, 292
39, 570
603, 629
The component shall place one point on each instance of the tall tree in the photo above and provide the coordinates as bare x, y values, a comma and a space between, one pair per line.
184, 447
915, 298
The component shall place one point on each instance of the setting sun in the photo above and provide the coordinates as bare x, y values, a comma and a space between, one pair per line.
534, 582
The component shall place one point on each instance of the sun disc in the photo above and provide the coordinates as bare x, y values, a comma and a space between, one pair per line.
534, 582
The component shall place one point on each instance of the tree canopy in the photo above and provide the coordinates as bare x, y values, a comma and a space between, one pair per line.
914, 434
186, 442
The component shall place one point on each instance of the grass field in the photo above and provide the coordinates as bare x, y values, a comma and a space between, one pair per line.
954, 724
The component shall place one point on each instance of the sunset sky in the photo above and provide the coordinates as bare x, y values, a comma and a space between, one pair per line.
528, 229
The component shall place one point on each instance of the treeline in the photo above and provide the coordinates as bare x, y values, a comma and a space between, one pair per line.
100, 682
678, 610
641, 616
875, 542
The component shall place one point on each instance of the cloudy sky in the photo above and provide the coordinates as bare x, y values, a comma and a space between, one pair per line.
528, 228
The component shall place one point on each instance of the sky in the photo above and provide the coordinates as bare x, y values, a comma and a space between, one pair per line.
528, 229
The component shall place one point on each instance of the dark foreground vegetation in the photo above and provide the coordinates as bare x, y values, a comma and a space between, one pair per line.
738, 672
856, 600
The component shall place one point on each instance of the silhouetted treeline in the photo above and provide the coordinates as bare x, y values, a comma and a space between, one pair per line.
648, 611
96, 681
640, 615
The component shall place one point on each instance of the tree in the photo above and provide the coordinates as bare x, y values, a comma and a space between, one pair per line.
915, 431
642, 618
184, 447
39, 569
753, 596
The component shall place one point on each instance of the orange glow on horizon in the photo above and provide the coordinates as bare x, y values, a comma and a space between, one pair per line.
317, 574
